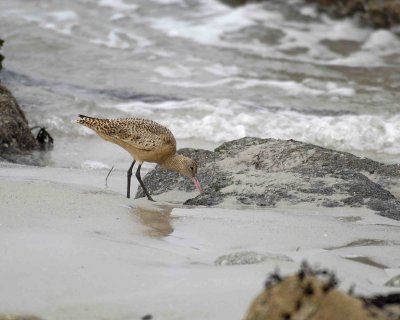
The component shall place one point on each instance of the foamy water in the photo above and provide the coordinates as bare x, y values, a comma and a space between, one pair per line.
209, 72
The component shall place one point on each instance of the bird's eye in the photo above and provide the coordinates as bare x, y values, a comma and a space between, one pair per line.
192, 168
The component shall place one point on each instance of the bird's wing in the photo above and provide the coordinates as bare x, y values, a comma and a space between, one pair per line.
142, 134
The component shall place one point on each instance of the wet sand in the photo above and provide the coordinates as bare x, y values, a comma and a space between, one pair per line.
73, 248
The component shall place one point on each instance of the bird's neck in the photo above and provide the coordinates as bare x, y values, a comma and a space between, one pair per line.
173, 163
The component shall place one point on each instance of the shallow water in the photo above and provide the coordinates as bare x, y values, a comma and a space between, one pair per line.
209, 72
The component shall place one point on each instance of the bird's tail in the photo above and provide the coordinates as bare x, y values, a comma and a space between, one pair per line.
89, 122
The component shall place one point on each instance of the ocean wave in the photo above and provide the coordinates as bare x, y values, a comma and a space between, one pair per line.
307, 87
263, 29
309, 39
224, 120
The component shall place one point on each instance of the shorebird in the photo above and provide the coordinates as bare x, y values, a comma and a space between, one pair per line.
145, 140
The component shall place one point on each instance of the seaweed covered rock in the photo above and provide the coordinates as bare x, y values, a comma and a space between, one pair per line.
312, 294
271, 172
15, 135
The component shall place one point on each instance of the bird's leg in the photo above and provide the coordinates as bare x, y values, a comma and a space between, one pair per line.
142, 184
129, 173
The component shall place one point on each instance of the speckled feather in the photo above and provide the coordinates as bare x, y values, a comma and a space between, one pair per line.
139, 133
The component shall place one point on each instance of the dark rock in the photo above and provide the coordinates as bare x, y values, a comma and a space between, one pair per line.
270, 172
15, 135
376, 13
236, 3
1, 56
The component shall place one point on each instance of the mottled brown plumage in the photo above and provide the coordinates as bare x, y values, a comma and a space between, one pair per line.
145, 140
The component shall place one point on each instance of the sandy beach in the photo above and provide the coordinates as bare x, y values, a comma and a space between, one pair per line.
73, 248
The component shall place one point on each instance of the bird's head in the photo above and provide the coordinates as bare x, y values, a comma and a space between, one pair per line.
187, 167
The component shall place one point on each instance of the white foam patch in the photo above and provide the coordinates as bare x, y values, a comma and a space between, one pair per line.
118, 16
176, 71
291, 88
120, 39
345, 132
140, 41
118, 5
112, 41
66, 15
210, 29
382, 41
192, 84
93, 164
223, 70
309, 11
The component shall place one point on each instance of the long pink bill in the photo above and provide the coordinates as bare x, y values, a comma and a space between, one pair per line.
197, 184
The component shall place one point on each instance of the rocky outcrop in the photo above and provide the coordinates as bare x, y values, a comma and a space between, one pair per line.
270, 172
15, 135
312, 294
377, 13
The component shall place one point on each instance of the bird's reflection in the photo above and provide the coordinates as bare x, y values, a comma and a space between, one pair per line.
156, 220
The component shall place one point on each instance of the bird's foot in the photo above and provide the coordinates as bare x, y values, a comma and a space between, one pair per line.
151, 199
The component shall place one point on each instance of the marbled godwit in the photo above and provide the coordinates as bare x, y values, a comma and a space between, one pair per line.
145, 140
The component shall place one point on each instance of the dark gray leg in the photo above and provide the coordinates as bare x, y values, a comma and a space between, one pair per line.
128, 188
142, 184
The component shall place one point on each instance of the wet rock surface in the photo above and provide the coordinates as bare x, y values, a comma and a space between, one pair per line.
270, 172
15, 135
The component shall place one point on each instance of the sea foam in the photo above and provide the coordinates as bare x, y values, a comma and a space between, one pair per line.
224, 120
217, 25
93, 164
